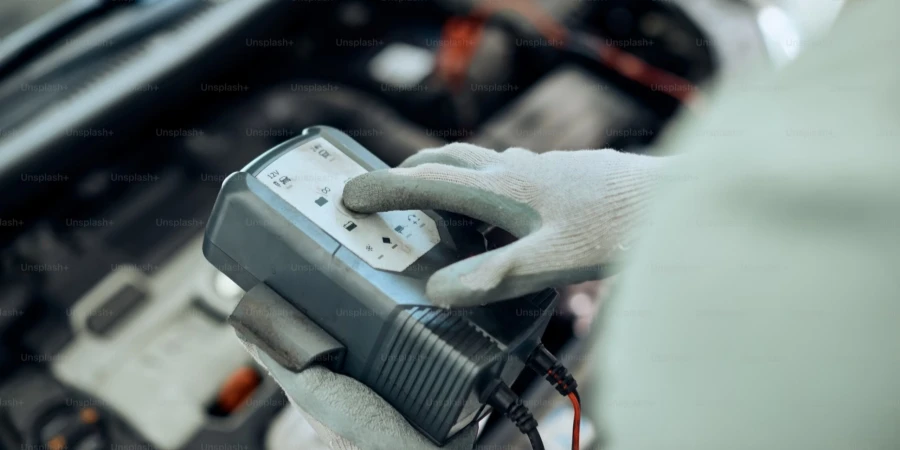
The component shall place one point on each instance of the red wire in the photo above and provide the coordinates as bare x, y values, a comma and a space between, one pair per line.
576, 405
576, 423
459, 41
623, 62
647, 75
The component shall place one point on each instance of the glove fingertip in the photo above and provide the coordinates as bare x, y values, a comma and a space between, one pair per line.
358, 193
382, 190
446, 294
445, 289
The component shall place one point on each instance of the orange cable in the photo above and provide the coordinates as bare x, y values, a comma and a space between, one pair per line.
576, 405
624, 63
576, 423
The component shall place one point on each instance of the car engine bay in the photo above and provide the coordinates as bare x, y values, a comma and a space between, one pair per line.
113, 144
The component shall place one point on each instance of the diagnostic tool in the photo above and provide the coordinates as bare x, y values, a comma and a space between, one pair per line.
325, 285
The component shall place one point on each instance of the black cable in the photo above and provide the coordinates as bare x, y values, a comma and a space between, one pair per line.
503, 399
544, 363
535, 438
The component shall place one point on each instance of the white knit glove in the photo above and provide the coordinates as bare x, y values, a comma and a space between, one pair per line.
571, 210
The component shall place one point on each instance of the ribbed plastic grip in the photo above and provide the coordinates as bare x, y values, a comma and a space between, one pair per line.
431, 359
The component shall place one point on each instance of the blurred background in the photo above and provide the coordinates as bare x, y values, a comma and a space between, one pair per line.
120, 119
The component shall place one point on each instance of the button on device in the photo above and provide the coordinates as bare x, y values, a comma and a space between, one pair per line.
348, 211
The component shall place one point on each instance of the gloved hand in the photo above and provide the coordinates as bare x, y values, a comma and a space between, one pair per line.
571, 210
346, 414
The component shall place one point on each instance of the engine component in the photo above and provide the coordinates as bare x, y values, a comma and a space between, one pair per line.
568, 110
284, 111
155, 351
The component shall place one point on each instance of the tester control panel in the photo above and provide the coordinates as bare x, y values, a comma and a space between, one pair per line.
311, 178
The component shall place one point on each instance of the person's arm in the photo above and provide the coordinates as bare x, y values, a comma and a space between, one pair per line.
760, 309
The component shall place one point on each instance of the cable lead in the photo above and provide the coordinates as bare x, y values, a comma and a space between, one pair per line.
503, 399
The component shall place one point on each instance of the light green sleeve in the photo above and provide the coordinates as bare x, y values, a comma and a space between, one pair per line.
761, 309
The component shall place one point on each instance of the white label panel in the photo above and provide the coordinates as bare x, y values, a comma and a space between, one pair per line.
311, 177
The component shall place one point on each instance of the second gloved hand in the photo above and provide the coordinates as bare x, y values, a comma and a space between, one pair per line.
571, 210
346, 414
